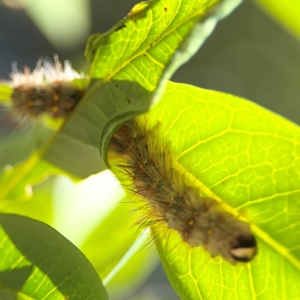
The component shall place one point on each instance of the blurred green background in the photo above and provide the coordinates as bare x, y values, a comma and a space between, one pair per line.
254, 53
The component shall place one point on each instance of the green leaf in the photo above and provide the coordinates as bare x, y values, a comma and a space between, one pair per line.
16, 183
33, 252
248, 158
133, 269
120, 272
17, 146
116, 230
286, 12
129, 67
18, 176
40, 206
14, 150
5, 92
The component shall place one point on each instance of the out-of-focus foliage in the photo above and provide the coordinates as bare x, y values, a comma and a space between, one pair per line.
286, 12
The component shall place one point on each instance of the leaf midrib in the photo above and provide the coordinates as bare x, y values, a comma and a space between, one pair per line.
279, 248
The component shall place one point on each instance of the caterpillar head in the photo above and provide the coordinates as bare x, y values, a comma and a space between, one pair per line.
243, 248
232, 239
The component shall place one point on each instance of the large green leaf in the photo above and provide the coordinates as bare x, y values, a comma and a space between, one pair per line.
129, 66
38, 263
248, 158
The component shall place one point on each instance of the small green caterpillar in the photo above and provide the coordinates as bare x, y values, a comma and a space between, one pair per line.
170, 198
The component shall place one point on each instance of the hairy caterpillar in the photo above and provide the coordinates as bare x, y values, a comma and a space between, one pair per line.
49, 89
170, 198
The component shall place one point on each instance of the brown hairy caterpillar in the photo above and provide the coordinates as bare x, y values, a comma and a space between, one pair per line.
170, 198
49, 89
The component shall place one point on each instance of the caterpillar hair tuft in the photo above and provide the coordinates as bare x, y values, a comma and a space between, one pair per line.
48, 89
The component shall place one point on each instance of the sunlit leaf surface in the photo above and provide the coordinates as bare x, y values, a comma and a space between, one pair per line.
38, 263
248, 158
